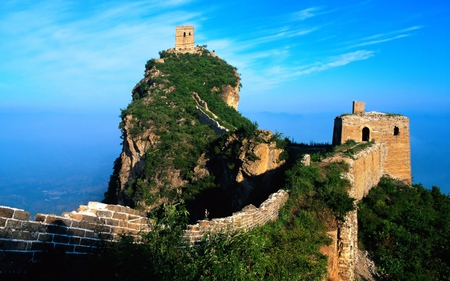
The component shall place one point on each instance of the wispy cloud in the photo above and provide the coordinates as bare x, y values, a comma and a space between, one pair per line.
384, 37
306, 13
380, 41
341, 60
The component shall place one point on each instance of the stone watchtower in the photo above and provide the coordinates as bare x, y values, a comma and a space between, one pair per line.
184, 38
391, 129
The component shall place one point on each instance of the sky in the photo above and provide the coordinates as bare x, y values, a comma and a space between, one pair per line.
68, 67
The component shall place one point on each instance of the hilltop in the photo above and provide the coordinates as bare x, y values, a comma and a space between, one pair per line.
212, 197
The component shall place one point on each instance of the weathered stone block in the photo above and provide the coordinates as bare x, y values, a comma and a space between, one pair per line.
104, 214
61, 238
6, 212
5, 233
13, 224
40, 217
56, 229
76, 232
120, 216
89, 242
13, 245
44, 237
57, 220
42, 246
23, 235
2, 222
87, 218
33, 226
88, 225
75, 240
21, 215
90, 234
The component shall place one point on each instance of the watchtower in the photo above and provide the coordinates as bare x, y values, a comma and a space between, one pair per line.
392, 129
184, 38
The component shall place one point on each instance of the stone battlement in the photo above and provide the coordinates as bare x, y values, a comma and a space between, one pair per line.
248, 218
81, 232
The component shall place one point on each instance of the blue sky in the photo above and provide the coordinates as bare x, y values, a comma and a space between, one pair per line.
294, 56
296, 59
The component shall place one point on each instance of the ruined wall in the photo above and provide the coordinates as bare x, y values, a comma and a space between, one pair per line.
249, 217
390, 129
365, 171
81, 232
205, 119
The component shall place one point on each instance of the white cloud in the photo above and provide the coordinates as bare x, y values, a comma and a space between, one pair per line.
383, 37
341, 60
305, 14
380, 41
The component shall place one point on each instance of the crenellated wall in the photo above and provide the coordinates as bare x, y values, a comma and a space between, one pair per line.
81, 232
248, 217
77, 232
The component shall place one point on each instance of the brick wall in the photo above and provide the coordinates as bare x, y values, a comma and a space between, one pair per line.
249, 217
390, 129
77, 232
365, 171
81, 232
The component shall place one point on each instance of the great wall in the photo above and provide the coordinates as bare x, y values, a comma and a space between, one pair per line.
81, 232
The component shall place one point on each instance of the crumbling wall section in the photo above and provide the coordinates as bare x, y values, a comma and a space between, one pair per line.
81, 232
365, 171
248, 218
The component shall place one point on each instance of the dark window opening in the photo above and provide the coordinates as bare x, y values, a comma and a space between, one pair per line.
365, 134
184, 34
189, 34
396, 131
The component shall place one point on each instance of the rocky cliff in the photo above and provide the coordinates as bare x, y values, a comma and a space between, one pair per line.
182, 137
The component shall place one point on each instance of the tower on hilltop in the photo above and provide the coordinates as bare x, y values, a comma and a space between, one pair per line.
184, 38
392, 129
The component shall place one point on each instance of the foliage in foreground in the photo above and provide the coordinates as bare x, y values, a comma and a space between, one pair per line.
287, 249
407, 231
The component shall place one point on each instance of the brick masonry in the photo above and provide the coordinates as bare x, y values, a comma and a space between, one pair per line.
81, 232
365, 171
388, 128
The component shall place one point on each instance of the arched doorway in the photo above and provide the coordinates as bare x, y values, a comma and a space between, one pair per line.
365, 134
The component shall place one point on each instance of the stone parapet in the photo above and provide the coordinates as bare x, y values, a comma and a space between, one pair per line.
81, 232
249, 217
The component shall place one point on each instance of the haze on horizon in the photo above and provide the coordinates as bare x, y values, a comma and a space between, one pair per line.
68, 67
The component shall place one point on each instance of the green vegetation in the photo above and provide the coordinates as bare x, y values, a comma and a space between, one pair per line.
287, 249
406, 229
163, 105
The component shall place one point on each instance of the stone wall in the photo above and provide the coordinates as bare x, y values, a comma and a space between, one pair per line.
390, 129
365, 171
81, 232
77, 232
249, 217
205, 119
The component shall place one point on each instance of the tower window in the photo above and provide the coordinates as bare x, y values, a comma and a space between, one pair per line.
184, 34
396, 131
365, 134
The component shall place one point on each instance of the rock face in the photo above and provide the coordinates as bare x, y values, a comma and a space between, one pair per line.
163, 125
255, 167
230, 95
